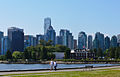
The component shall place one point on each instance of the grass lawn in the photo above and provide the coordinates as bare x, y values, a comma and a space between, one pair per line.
94, 73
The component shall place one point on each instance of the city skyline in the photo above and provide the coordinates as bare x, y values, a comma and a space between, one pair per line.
89, 16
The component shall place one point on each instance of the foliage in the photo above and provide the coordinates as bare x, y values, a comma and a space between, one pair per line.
2, 57
8, 55
17, 55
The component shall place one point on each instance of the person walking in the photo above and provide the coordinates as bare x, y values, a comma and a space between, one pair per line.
51, 65
55, 65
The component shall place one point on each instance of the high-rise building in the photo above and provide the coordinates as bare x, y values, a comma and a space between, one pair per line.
16, 39
51, 35
47, 24
59, 40
99, 41
82, 40
107, 42
4, 45
1, 36
70, 41
39, 37
113, 42
75, 44
90, 42
29, 40
118, 39
67, 38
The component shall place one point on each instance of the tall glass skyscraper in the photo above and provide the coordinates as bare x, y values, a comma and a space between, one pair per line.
47, 24
99, 41
29, 40
67, 38
113, 42
82, 40
107, 42
4, 45
118, 39
16, 39
51, 35
90, 42
1, 36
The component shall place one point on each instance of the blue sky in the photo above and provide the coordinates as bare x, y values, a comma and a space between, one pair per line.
90, 16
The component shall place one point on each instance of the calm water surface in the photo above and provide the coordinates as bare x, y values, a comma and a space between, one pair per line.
43, 66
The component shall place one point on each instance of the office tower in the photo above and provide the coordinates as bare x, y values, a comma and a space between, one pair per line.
4, 45
82, 40
47, 24
98, 41
59, 40
39, 37
90, 42
107, 42
16, 39
70, 41
1, 36
67, 38
51, 35
118, 39
75, 43
29, 40
113, 42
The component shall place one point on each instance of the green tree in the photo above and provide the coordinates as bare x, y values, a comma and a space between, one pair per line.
2, 57
100, 52
8, 55
17, 55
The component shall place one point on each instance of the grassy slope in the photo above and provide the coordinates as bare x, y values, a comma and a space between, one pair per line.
97, 73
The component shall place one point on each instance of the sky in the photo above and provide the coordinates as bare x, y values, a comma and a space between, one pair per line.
90, 16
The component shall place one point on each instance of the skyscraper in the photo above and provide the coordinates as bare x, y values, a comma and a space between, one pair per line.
47, 24
67, 38
16, 39
59, 40
75, 44
107, 42
29, 40
1, 36
113, 42
118, 39
82, 40
51, 35
90, 42
99, 41
4, 45
39, 37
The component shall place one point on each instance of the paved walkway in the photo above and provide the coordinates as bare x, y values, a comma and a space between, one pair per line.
25, 72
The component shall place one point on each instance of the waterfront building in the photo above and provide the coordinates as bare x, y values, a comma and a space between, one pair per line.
113, 42
1, 36
81, 54
107, 42
4, 45
98, 41
82, 40
16, 39
29, 40
70, 41
90, 42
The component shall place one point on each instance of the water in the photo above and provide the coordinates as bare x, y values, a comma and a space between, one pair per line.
5, 67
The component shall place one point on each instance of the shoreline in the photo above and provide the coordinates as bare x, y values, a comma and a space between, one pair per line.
62, 62
58, 70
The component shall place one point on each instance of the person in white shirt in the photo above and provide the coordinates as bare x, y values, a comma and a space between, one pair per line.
51, 65
55, 65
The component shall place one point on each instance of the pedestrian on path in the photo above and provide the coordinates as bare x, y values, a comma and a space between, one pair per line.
51, 64
55, 65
